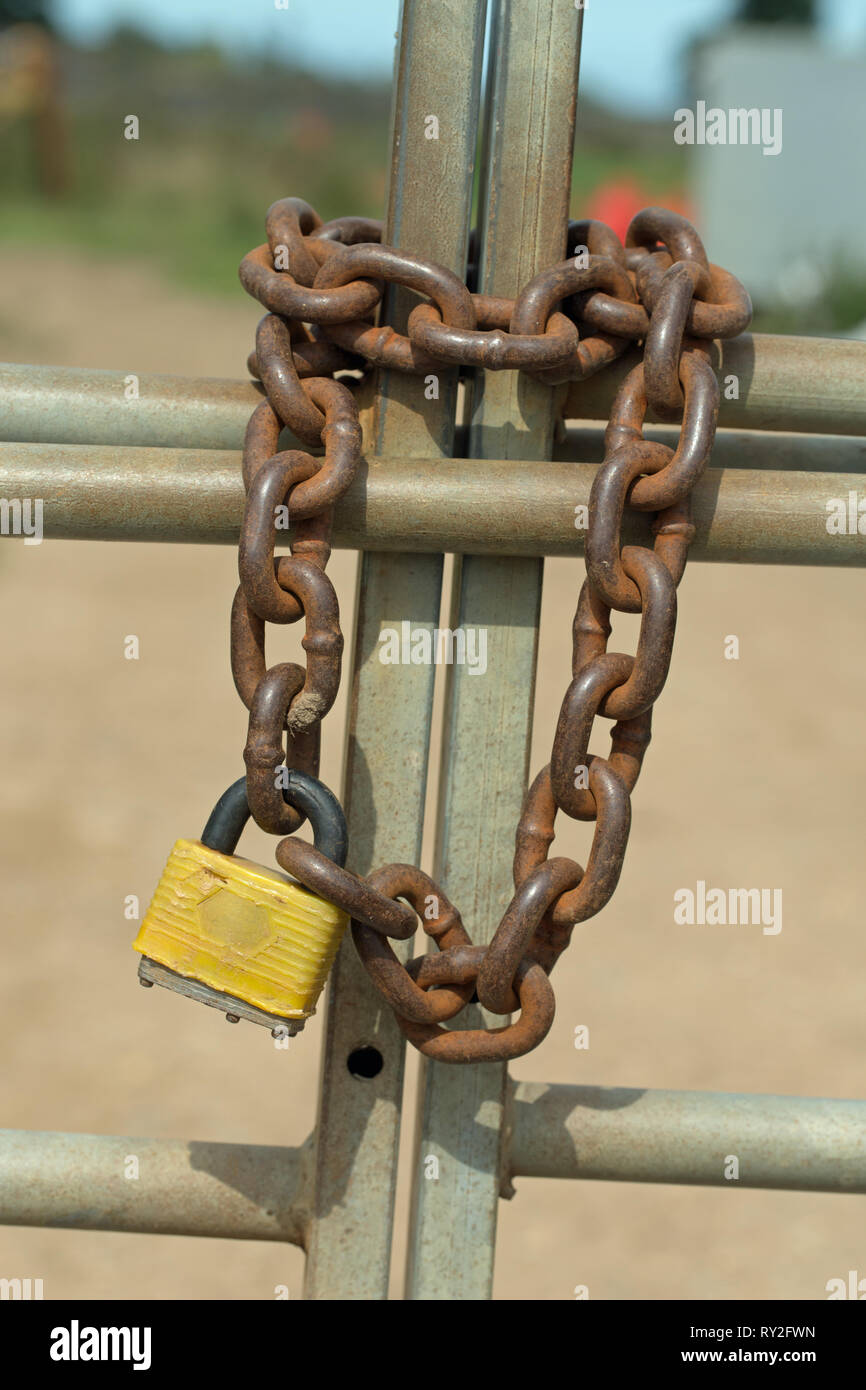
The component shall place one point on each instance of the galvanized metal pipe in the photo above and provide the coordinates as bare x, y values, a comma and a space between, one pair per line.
616, 1134
438, 70
813, 385
529, 125
105, 1182
816, 453
83, 405
480, 506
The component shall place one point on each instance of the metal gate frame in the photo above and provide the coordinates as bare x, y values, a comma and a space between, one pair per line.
334, 1196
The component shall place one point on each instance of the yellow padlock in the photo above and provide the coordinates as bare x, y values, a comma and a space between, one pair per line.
236, 936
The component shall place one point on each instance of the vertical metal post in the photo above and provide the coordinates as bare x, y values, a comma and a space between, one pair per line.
438, 73
534, 53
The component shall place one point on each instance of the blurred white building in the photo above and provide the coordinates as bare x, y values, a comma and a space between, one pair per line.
782, 222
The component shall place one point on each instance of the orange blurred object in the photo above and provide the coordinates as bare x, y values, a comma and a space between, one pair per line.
616, 202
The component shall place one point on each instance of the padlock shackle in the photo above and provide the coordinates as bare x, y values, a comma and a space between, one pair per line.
324, 812
227, 819
330, 836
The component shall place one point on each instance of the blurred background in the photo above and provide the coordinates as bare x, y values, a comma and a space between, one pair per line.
123, 254
236, 102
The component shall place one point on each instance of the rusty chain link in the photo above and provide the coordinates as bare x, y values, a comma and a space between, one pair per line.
322, 284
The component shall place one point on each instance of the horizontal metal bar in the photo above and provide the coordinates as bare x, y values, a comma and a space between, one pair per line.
255, 1192
477, 506
623, 1135
81, 405
84, 405
105, 1182
816, 453
813, 385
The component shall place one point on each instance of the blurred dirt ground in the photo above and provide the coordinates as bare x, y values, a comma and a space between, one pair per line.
754, 778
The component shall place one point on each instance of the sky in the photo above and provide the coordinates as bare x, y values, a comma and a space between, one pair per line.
357, 36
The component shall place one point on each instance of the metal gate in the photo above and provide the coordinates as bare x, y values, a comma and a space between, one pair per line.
335, 1195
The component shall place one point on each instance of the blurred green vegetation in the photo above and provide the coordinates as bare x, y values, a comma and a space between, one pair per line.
777, 12
219, 141
25, 12
833, 305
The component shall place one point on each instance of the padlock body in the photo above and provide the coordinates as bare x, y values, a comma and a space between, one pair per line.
241, 929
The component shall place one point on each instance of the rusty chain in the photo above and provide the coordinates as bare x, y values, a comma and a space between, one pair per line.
321, 284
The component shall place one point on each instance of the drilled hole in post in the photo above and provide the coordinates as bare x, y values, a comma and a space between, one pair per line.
365, 1062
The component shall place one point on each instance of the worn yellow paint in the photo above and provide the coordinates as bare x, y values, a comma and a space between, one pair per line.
242, 929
